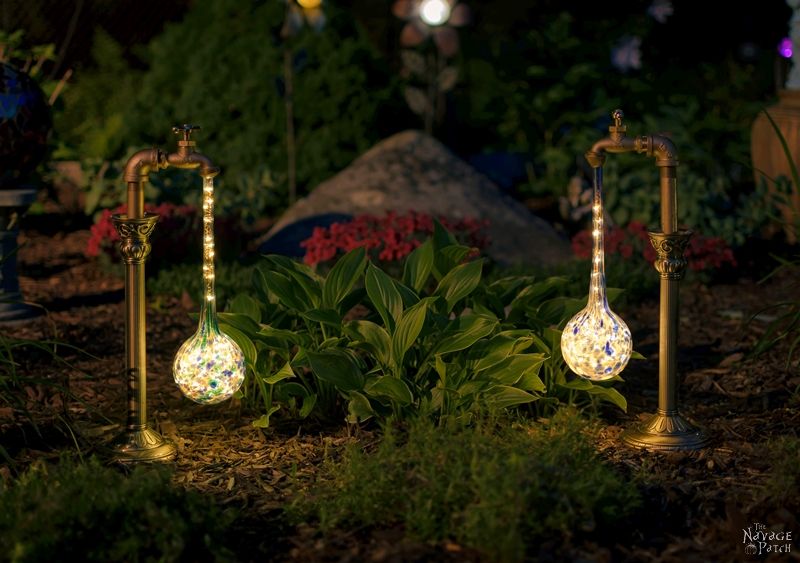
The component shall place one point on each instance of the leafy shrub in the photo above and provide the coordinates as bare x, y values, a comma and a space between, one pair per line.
340, 89
503, 489
87, 512
438, 342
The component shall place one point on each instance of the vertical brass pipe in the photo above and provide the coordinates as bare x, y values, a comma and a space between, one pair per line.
139, 442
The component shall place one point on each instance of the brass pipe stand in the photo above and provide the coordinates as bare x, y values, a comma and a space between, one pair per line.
667, 429
139, 442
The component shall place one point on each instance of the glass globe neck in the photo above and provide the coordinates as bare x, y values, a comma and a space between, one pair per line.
597, 285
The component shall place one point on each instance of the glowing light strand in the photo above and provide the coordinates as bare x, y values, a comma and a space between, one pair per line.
596, 343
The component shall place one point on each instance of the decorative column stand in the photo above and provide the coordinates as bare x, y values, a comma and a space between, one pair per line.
139, 442
13, 204
667, 429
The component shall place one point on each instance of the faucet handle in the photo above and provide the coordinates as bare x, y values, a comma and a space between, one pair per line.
617, 130
185, 129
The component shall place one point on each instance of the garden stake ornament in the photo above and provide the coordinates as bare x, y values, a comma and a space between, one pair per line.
667, 429
209, 367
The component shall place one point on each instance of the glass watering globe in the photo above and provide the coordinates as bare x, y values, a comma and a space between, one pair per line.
209, 367
596, 343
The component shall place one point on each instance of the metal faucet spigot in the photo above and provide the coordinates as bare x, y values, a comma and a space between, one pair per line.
139, 442
667, 429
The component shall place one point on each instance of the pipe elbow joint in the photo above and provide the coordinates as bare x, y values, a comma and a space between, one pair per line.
141, 163
662, 148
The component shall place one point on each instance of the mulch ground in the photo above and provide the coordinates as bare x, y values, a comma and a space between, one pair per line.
699, 502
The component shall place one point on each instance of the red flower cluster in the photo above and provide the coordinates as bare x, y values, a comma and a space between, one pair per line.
388, 238
702, 253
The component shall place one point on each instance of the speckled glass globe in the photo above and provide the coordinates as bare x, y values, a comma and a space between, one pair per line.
209, 367
596, 343
25, 123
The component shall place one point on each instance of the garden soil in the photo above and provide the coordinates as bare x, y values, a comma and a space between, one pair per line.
697, 504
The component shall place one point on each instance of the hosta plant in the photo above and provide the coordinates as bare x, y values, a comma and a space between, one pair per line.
439, 341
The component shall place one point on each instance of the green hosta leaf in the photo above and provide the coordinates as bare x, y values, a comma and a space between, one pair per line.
286, 389
337, 368
510, 370
260, 284
289, 294
284, 373
418, 266
492, 352
324, 316
554, 311
408, 328
372, 338
531, 381
407, 294
384, 296
302, 274
243, 304
244, 342
308, 405
441, 369
460, 282
448, 258
605, 393
462, 332
358, 408
637, 356
239, 321
343, 276
503, 396
263, 421
538, 292
298, 338
391, 387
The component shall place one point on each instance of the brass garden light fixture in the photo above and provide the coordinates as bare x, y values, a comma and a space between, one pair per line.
139, 442
667, 429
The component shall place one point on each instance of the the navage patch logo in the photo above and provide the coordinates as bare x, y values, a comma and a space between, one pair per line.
760, 540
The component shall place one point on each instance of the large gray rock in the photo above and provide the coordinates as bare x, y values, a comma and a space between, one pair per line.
413, 171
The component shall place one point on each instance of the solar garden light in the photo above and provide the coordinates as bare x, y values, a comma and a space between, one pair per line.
209, 366
596, 343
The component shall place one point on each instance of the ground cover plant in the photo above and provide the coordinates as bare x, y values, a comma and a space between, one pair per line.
83, 511
502, 487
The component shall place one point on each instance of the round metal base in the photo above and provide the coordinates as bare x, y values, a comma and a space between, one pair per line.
666, 432
142, 446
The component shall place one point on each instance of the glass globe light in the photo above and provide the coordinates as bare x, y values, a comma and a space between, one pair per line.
596, 343
209, 367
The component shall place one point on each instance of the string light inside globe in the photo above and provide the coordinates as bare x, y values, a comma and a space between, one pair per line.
596, 343
434, 12
310, 4
209, 367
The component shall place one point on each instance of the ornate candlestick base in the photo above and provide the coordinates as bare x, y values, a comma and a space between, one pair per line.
666, 432
142, 445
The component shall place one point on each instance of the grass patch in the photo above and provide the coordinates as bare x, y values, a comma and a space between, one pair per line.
499, 488
88, 512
